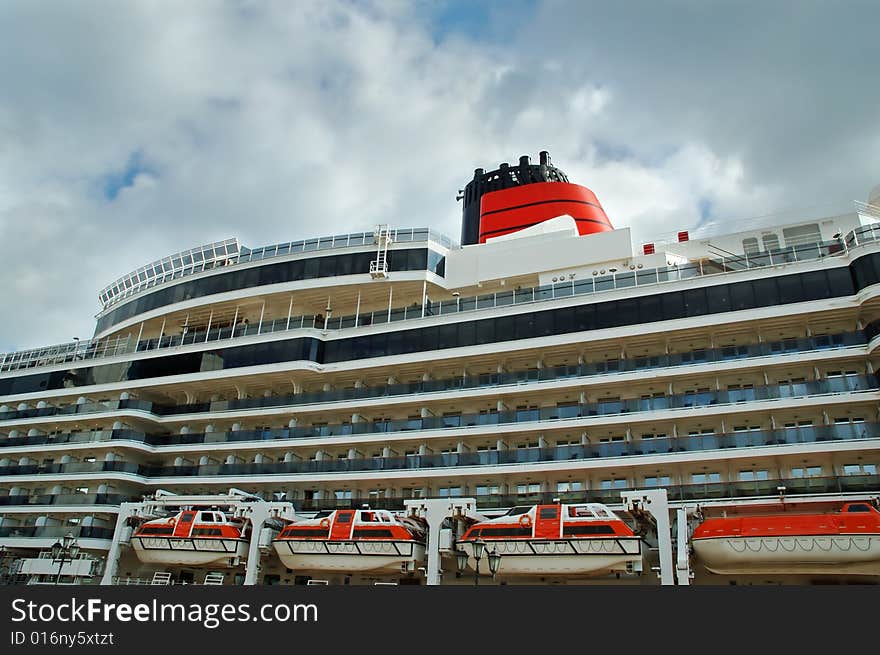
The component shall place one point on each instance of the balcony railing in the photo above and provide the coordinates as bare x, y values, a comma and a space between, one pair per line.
843, 384
643, 446
98, 348
844, 484
229, 253
67, 499
701, 356
56, 531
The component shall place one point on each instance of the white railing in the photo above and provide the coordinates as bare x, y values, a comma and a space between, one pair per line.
597, 284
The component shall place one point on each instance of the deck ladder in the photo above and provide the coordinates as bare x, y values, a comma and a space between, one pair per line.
382, 239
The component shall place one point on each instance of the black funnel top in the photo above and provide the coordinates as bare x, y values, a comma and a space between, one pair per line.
504, 177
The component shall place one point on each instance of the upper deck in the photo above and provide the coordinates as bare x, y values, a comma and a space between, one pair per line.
680, 262
230, 253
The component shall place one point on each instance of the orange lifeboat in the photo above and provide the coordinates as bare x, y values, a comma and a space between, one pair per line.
190, 537
582, 539
844, 541
352, 541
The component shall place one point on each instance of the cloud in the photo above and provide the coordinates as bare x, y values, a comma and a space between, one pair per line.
126, 136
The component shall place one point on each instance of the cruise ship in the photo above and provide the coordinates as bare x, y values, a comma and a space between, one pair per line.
545, 402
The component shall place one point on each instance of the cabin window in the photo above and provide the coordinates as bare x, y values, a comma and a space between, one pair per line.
206, 532
567, 486
657, 481
575, 530
799, 424
208, 517
750, 246
344, 517
446, 492
549, 512
488, 490
860, 469
806, 472
506, 532
614, 483
516, 511
802, 234
150, 530
752, 476
373, 532
704, 478
771, 242
187, 517
528, 488
858, 508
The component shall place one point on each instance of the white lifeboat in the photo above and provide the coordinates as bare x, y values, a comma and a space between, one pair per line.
190, 537
562, 539
352, 541
843, 541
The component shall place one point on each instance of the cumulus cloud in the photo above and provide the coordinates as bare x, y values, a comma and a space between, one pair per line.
126, 135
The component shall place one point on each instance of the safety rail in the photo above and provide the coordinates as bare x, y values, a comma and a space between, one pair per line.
645, 445
229, 253
575, 287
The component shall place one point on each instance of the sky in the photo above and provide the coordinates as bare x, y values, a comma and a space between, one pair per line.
133, 130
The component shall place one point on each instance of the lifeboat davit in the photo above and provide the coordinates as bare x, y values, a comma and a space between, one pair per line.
191, 537
352, 541
845, 541
583, 539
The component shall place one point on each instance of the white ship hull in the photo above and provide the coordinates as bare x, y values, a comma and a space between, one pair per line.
571, 557
348, 556
192, 552
833, 554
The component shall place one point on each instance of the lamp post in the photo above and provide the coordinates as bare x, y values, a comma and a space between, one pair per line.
479, 548
64, 551
494, 562
3, 573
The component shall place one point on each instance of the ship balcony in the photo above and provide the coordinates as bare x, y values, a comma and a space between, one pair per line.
559, 417
90, 537
831, 486
804, 436
65, 503
576, 373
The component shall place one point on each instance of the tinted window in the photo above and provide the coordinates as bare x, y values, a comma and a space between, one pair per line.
673, 305
695, 302
549, 512
766, 292
742, 295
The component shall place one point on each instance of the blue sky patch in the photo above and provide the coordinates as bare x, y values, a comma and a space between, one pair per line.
116, 181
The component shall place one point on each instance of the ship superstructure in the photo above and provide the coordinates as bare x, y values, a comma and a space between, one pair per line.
547, 361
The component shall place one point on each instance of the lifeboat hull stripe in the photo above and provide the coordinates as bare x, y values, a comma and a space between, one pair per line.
190, 552
361, 548
195, 544
574, 547
795, 554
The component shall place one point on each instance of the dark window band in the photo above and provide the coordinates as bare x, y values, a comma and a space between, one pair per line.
751, 294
